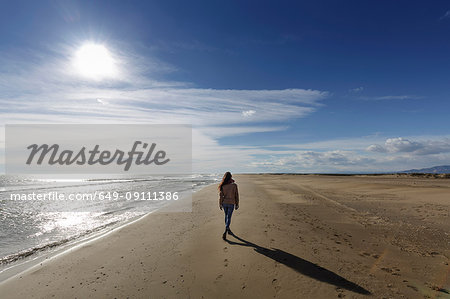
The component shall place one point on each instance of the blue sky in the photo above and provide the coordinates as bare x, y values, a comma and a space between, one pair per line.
297, 86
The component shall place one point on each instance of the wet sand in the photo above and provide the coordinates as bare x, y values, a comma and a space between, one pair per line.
296, 236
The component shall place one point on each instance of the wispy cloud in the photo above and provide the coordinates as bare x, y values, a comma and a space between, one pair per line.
390, 97
46, 85
315, 161
446, 15
42, 88
356, 90
223, 131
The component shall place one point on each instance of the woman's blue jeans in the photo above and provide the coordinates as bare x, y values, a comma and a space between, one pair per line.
228, 209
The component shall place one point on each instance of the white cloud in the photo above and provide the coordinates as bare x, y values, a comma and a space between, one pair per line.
376, 148
403, 145
347, 144
391, 97
357, 89
394, 145
356, 155
202, 107
248, 113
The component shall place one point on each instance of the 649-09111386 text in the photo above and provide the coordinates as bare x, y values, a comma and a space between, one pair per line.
97, 195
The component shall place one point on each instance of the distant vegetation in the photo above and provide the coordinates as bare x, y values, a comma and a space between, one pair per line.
438, 172
427, 175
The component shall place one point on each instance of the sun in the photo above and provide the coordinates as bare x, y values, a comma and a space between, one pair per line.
94, 61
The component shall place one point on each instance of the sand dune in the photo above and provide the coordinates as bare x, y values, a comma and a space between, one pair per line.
295, 236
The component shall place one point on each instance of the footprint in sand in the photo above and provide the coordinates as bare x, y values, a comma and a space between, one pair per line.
413, 287
218, 277
276, 285
340, 292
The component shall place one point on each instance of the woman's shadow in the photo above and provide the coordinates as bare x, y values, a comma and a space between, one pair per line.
302, 266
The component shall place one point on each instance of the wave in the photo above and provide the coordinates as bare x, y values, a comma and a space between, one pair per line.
41, 248
96, 183
92, 182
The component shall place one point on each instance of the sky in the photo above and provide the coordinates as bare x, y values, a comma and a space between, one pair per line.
268, 86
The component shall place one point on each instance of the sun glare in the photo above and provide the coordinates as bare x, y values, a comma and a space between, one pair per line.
94, 61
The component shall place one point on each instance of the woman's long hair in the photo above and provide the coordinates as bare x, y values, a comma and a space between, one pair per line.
225, 180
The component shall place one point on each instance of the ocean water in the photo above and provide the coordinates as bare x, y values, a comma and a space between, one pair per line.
32, 227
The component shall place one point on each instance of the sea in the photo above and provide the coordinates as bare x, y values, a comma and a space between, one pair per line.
35, 228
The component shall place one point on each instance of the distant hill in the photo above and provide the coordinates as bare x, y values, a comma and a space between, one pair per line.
435, 169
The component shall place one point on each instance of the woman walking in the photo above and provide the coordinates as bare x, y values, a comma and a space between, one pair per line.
228, 200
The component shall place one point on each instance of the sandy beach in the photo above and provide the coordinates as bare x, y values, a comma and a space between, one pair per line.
296, 236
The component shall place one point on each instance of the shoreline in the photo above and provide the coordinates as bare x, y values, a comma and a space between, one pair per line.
28, 263
16, 268
308, 236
